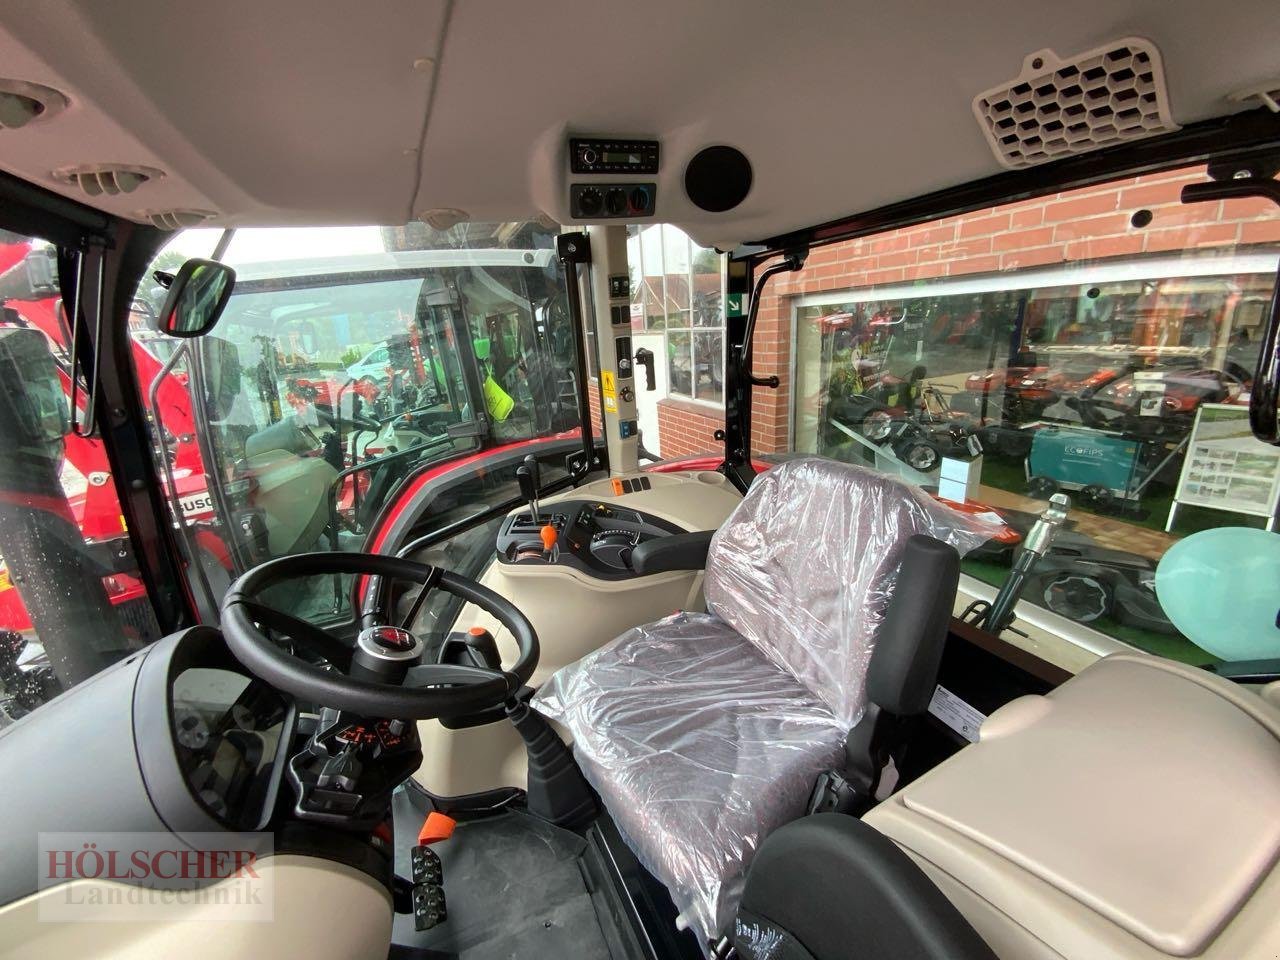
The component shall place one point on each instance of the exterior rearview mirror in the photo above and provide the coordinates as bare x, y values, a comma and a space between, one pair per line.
197, 296
222, 373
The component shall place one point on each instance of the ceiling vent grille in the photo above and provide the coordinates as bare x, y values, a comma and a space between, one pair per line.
22, 103
1061, 107
176, 219
106, 179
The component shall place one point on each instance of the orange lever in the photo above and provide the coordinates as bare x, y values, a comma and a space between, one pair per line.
437, 826
549, 535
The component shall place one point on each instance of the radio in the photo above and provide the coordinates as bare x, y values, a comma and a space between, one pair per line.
589, 155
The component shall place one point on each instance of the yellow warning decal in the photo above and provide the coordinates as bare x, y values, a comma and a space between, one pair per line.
608, 383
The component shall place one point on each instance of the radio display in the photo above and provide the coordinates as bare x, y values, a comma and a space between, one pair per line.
590, 155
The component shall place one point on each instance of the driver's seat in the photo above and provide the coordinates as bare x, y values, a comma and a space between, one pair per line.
703, 733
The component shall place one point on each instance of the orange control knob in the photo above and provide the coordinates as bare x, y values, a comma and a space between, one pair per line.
549, 535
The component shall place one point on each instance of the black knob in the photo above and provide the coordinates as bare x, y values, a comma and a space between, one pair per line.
528, 483
639, 199
590, 202
616, 202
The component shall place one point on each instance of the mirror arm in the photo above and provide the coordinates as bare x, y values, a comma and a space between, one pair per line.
87, 426
224, 241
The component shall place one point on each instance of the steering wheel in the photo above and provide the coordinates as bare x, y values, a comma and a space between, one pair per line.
359, 420
367, 677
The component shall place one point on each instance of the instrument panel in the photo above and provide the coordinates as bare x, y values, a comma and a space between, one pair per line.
230, 733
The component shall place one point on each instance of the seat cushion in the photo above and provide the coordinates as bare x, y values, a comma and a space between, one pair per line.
699, 747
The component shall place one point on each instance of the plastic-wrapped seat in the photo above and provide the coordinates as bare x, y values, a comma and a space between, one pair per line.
705, 732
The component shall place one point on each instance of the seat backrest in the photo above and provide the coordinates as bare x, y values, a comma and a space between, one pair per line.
805, 565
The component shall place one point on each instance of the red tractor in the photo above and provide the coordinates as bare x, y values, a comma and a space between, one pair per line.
31, 300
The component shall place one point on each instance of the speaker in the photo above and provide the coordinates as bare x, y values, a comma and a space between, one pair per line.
718, 178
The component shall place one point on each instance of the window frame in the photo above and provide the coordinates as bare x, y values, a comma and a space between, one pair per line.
690, 327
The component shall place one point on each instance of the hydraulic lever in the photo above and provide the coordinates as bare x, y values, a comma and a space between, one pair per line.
527, 477
999, 615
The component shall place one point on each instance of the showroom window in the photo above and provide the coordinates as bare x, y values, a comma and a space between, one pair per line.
1099, 342
677, 288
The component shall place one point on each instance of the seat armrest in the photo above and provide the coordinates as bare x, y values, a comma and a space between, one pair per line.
681, 551
830, 887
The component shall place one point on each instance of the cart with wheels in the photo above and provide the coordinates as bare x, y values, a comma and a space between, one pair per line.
1109, 470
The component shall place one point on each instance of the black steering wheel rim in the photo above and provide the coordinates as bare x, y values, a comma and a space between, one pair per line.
359, 420
445, 690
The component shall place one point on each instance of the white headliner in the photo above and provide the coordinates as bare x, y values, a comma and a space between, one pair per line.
310, 111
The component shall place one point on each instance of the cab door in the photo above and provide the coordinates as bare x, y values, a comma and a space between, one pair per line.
311, 440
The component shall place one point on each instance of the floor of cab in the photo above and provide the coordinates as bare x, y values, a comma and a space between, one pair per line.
515, 887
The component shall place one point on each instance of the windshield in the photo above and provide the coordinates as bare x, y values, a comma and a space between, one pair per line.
347, 360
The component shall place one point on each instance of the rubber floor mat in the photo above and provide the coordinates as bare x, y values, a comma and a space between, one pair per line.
513, 888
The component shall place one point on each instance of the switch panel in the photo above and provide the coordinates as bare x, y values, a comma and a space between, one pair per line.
611, 201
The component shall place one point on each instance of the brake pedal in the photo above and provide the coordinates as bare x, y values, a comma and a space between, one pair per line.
428, 906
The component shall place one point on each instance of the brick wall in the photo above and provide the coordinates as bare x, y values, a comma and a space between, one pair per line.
593, 401
685, 427
1085, 224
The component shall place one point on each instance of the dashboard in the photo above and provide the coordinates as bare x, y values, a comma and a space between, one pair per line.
177, 738
228, 736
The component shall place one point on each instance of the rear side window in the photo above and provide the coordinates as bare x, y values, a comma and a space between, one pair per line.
72, 600
1099, 342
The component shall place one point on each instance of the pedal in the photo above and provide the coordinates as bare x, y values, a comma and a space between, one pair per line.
426, 866
428, 906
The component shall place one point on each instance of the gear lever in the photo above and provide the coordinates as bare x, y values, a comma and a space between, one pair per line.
527, 477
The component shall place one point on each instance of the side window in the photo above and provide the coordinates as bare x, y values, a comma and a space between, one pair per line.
677, 311
1100, 342
72, 600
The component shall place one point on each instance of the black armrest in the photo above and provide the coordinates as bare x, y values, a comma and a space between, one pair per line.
682, 551
830, 887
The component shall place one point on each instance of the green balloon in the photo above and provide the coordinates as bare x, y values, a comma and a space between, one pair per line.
1221, 588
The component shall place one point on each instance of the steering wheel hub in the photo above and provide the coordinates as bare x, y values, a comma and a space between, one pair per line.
384, 640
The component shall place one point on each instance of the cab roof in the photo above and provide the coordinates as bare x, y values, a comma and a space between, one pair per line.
298, 112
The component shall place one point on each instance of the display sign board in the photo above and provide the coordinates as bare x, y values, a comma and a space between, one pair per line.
1226, 468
